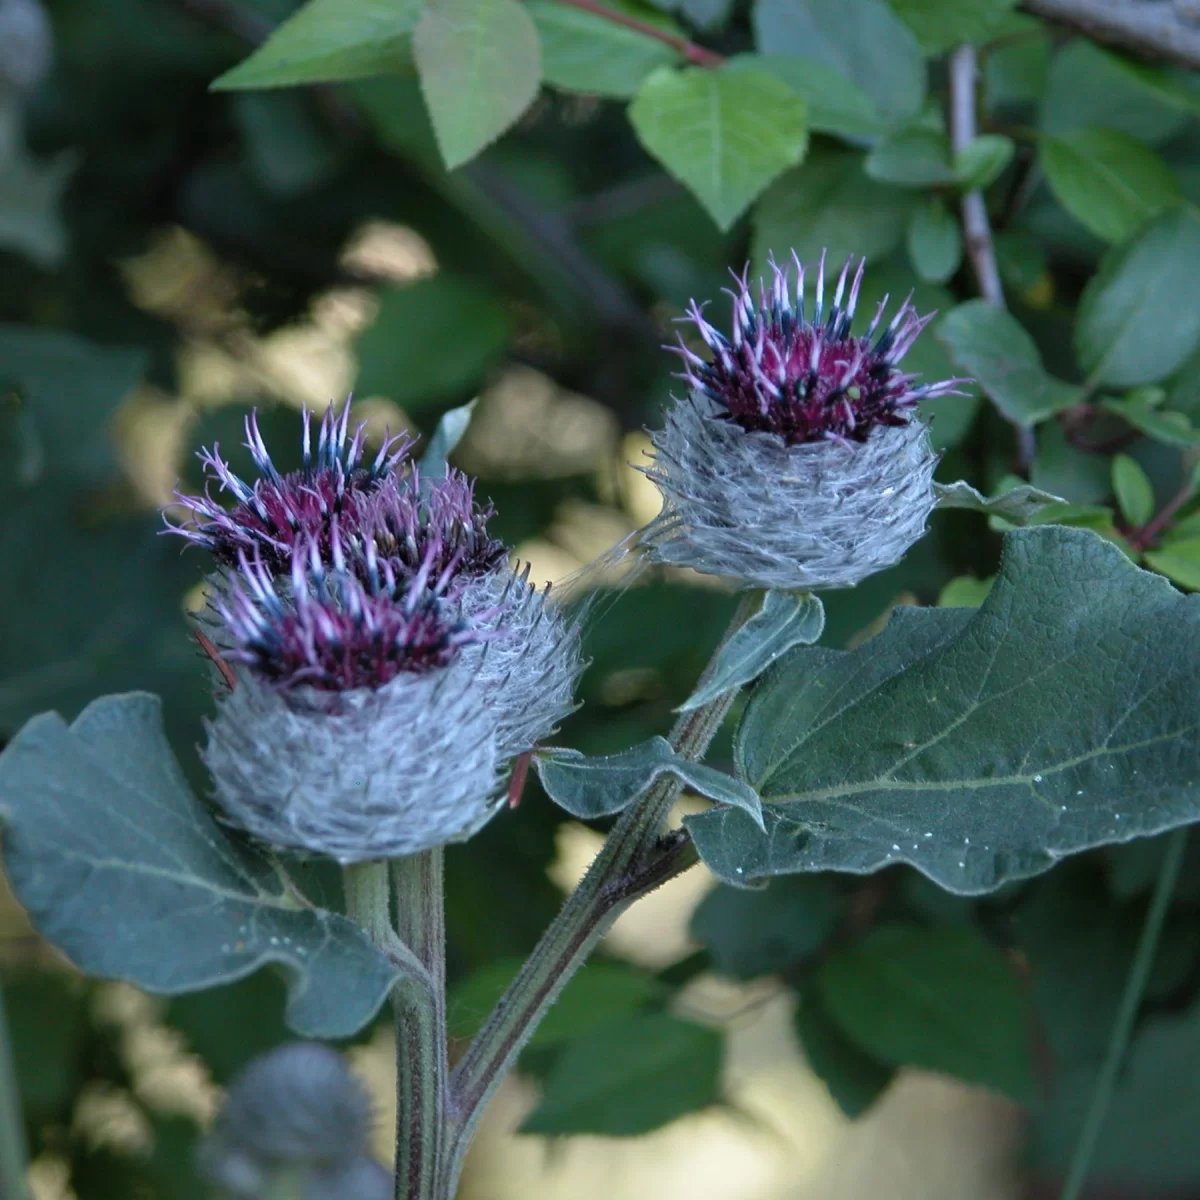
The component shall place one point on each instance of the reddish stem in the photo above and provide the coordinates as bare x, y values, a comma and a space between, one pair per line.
516, 785
1142, 538
697, 55
213, 653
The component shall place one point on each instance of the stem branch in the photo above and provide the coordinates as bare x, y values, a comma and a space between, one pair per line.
698, 56
1131, 1000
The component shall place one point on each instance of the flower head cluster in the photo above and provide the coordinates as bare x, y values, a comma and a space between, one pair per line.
388, 663
796, 460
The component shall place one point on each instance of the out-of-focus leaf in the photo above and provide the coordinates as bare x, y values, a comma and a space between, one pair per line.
1139, 317
980, 162
855, 1080
934, 241
724, 132
1162, 425
121, 868
1108, 181
1178, 561
915, 157
1133, 489
431, 340
480, 65
965, 591
751, 933
630, 1077
288, 151
30, 195
328, 40
46, 1014
941, 25
835, 103
942, 999
862, 39
988, 744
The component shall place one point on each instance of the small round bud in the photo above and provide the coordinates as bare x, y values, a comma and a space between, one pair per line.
797, 460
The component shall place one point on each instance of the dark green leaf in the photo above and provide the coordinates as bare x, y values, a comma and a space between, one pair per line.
1161, 425
1139, 318
1133, 489
583, 52
1016, 505
600, 993
829, 204
979, 163
934, 241
941, 25
431, 340
630, 1077
785, 620
855, 1080
835, 103
123, 870
1178, 561
1107, 181
46, 1014
328, 40
986, 745
287, 149
751, 933
597, 787
942, 999
915, 157
480, 66
724, 132
989, 343
861, 39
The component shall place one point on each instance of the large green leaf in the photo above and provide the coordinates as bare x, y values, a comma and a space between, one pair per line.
979, 746
990, 344
583, 52
121, 868
942, 999
915, 156
328, 40
726, 133
941, 25
829, 204
1139, 318
1107, 181
854, 1079
836, 104
630, 1077
480, 66
862, 39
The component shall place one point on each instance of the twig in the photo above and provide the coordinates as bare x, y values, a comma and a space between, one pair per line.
1153, 29
698, 56
977, 230
1145, 537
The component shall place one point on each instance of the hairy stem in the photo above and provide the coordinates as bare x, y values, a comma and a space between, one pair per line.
1131, 1001
634, 860
13, 1152
977, 229
422, 1071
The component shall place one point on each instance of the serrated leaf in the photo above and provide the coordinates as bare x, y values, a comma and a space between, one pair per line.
1062, 715
835, 103
855, 1080
942, 999
431, 340
599, 786
979, 163
583, 52
1016, 505
480, 67
785, 620
329, 40
1139, 317
750, 933
1133, 489
1107, 181
1178, 561
449, 432
862, 39
916, 157
990, 344
630, 1077
121, 868
724, 132
941, 25
934, 241
829, 204
1162, 425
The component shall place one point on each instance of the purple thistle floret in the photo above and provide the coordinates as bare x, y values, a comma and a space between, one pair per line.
808, 380
334, 631
279, 512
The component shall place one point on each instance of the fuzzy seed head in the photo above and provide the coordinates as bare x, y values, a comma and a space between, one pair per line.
276, 513
807, 378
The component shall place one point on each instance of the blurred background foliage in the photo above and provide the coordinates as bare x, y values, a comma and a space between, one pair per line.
171, 256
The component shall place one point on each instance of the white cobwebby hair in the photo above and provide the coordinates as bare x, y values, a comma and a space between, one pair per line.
360, 775
748, 507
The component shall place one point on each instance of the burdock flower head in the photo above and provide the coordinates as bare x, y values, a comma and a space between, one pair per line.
796, 460
275, 513
355, 729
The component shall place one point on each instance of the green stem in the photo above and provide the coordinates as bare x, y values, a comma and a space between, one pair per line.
368, 900
1131, 1001
634, 860
13, 1152
422, 1070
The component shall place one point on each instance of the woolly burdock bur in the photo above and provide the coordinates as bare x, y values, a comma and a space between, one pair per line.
797, 459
